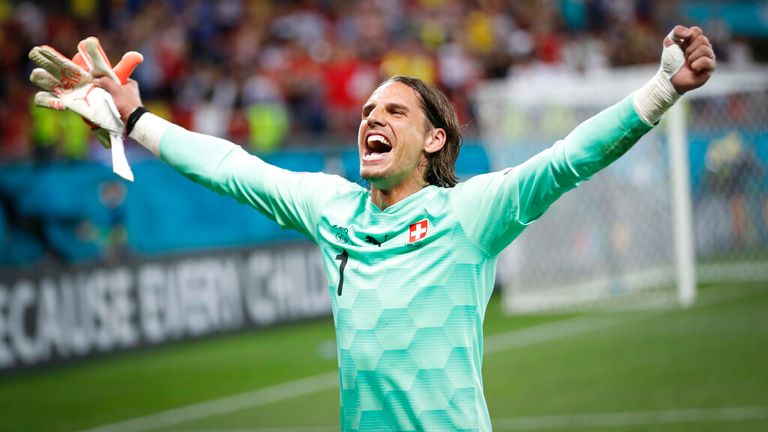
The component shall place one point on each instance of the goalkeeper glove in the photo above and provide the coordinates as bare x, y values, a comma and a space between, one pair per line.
100, 67
68, 84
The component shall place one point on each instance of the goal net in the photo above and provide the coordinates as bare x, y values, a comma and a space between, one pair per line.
687, 205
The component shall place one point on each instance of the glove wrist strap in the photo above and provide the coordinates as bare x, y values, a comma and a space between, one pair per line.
133, 118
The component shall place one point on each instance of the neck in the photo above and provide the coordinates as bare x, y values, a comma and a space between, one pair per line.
385, 197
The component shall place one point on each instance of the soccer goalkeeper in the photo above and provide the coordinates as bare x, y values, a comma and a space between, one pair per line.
410, 262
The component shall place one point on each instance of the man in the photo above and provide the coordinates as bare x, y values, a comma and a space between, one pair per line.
410, 262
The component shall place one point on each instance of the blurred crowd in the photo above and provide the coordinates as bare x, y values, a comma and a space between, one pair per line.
268, 74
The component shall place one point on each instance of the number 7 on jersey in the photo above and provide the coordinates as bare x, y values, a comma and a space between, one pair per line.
342, 257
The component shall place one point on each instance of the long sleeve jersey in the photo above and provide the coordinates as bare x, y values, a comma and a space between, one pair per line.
409, 284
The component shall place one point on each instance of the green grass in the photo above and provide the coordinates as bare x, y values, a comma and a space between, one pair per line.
709, 357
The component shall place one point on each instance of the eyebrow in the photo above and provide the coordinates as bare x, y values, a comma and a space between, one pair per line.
367, 108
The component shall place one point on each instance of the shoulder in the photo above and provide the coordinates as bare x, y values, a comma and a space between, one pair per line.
338, 182
480, 182
330, 186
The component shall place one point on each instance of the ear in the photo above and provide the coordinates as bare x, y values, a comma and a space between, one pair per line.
435, 140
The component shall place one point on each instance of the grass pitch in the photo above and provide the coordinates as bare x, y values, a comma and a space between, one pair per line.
700, 369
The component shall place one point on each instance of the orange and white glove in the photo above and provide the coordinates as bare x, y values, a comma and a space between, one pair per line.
67, 84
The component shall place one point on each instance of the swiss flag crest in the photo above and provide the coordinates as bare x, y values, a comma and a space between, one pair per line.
418, 231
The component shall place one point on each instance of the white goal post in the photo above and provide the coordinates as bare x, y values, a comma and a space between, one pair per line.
668, 215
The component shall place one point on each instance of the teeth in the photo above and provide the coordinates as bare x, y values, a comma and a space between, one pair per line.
374, 156
379, 138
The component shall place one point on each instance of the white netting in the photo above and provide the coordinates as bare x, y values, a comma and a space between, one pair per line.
611, 242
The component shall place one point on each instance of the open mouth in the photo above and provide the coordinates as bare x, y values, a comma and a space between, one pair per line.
376, 147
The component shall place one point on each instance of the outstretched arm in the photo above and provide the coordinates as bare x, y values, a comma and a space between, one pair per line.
291, 199
527, 190
687, 62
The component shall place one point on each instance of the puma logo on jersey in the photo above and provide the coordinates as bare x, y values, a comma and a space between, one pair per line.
372, 240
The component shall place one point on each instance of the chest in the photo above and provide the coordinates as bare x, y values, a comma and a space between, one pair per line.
385, 252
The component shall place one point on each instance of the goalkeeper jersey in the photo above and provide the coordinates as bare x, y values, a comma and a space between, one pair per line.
409, 284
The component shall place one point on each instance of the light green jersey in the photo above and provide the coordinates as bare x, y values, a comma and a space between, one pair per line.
409, 284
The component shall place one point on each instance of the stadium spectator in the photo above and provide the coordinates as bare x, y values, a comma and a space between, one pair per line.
309, 50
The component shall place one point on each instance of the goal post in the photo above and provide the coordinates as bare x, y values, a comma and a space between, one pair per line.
682, 216
675, 211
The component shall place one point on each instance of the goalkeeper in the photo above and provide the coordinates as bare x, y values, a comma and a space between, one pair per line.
410, 262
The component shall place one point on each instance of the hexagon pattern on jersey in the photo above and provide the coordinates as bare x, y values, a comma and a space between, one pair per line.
409, 346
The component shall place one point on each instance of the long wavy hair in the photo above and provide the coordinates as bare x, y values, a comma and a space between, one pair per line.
440, 113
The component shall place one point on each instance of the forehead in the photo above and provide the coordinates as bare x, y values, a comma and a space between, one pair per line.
395, 92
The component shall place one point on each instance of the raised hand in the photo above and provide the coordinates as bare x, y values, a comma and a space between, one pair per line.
698, 58
67, 84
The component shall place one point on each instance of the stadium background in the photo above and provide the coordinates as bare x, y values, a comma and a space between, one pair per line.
99, 275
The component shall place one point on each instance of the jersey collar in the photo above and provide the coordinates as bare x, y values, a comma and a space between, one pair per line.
413, 201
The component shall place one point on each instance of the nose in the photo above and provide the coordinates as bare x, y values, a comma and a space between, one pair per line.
375, 117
